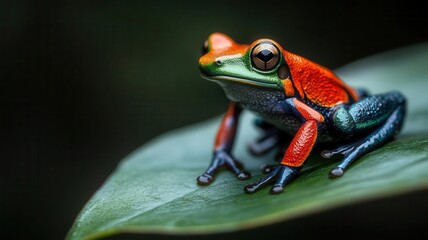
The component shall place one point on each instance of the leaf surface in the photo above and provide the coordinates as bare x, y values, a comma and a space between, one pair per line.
154, 189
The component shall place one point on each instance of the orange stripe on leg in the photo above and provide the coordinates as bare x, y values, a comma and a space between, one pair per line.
301, 145
307, 112
227, 130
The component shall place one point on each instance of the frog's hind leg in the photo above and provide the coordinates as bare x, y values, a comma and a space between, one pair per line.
381, 115
271, 138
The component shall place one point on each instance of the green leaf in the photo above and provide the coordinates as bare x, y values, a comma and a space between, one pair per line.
154, 189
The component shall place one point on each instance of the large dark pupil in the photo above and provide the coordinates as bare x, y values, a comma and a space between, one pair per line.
265, 55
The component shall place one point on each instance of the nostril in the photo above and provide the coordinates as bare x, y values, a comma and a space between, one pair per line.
218, 62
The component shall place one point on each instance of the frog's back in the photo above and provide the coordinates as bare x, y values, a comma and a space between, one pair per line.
318, 84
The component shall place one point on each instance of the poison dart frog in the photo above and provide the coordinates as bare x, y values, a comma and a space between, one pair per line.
297, 99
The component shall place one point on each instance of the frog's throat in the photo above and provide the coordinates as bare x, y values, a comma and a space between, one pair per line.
240, 80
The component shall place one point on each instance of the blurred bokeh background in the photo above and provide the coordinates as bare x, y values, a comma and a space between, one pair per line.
84, 83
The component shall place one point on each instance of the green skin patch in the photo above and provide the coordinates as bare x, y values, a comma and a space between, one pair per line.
239, 69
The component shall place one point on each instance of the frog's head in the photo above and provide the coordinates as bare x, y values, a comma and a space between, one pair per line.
260, 64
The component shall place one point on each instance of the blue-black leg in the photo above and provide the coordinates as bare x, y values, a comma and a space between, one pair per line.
222, 157
281, 173
221, 160
380, 115
271, 138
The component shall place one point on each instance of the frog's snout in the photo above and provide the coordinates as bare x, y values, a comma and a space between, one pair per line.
204, 69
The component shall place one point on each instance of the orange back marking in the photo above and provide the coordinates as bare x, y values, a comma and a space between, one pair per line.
316, 83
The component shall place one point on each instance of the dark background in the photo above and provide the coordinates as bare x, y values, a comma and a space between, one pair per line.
83, 83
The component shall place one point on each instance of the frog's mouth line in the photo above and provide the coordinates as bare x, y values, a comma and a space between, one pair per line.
239, 80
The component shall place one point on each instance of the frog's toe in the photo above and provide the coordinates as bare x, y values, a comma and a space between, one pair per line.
281, 173
252, 188
345, 152
336, 172
220, 161
285, 175
327, 154
277, 188
205, 179
244, 175
338, 152
237, 168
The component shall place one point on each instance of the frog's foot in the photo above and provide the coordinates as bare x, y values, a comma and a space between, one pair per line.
376, 138
221, 160
342, 152
271, 138
283, 174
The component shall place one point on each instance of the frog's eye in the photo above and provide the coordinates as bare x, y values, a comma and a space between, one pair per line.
265, 56
205, 47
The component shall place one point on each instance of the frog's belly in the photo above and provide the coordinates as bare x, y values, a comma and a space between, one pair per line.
290, 124
287, 123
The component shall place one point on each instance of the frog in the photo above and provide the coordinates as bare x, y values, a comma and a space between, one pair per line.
295, 99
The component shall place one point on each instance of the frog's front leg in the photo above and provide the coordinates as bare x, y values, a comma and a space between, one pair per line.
374, 119
223, 146
298, 150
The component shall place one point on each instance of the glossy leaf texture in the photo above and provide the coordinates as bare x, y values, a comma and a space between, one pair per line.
154, 189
